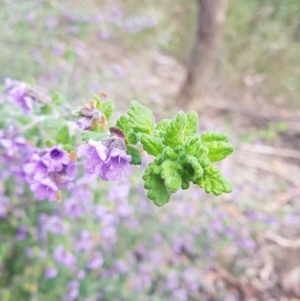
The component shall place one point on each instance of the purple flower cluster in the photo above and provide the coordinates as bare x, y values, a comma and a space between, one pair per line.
106, 158
49, 172
18, 93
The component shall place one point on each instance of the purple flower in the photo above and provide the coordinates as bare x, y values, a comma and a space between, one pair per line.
107, 158
57, 158
53, 224
63, 257
95, 262
37, 168
50, 273
91, 117
44, 189
17, 92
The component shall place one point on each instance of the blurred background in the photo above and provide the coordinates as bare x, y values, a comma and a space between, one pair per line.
238, 64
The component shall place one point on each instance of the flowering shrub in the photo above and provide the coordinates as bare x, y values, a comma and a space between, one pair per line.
67, 225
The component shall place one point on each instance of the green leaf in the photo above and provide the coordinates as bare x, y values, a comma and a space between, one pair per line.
87, 135
49, 143
63, 135
141, 119
151, 144
193, 144
171, 176
46, 110
107, 109
194, 163
53, 123
99, 103
123, 124
191, 127
132, 137
174, 134
58, 99
216, 183
157, 191
136, 157
160, 128
219, 150
213, 136
168, 153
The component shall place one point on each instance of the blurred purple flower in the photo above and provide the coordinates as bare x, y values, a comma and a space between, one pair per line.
95, 262
17, 92
63, 257
22, 232
180, 295
44, 189
73, 291
4, 201
54, 224
50, 273
37, 168
85, 243
107, 158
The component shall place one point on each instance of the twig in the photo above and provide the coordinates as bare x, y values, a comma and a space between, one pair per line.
266, 167
282, 241
269, 150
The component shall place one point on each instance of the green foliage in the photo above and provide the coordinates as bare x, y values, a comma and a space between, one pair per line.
136, 157
107, 109
181, 154
87, 135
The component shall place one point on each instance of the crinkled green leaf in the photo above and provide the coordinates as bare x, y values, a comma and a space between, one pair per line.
174, 134
87, 135
216, 183
160, 128
151, 144
132, 137
63, 135
136, 157
107, 109
218, 150
123, 124
214, 136
191, 127
169, 153
171, 176
141, 119
153, 182
185, 183
197, 168
193, 144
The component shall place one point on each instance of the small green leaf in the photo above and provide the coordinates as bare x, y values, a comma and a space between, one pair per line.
160, 128
174, 134
219, 150
132, 137
99, 103
49, 143
214, 136
58, 99
63, 135
193, 144
46, 110
191, 124
136, 157
107, 109
171, 176
157, 191
151, 144
216, 183
168, 153
123, 124
87, 135
141, 119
